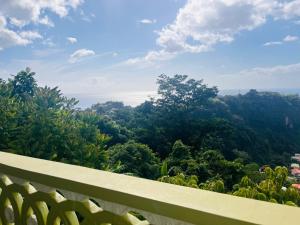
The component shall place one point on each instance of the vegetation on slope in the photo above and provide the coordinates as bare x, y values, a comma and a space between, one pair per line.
188, 135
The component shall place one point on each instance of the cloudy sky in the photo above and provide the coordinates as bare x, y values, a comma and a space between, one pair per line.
98, 50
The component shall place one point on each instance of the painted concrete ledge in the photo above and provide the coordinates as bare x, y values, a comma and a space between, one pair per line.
188, 205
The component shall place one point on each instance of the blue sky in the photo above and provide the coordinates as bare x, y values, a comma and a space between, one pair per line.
99, 50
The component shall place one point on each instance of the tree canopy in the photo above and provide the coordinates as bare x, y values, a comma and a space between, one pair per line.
188, 135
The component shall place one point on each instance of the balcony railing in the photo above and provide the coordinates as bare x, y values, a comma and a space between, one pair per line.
35, 191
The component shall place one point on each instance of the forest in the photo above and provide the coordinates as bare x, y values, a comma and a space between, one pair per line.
189, 135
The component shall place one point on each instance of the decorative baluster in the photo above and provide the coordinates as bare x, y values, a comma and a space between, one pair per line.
9, 214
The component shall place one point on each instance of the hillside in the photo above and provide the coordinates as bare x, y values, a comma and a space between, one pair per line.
188, 135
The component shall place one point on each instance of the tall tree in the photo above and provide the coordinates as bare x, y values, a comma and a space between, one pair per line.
24, 84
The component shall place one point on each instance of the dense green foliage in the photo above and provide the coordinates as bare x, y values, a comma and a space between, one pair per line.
271, 187
188, 135
40, 122
259, 126
137, 159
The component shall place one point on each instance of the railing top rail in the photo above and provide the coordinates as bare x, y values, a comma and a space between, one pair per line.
181, 203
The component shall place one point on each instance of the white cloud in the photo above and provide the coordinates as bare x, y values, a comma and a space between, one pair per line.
30, 35
290, 9
279, 69
48, 42
33, 10
278, 76
79, 54
2, 21
46, 21
87, 17
290, 38
147, 21
20, 13
201, 24
10, 38
19, 23
150, 58
72, 40
271, 43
